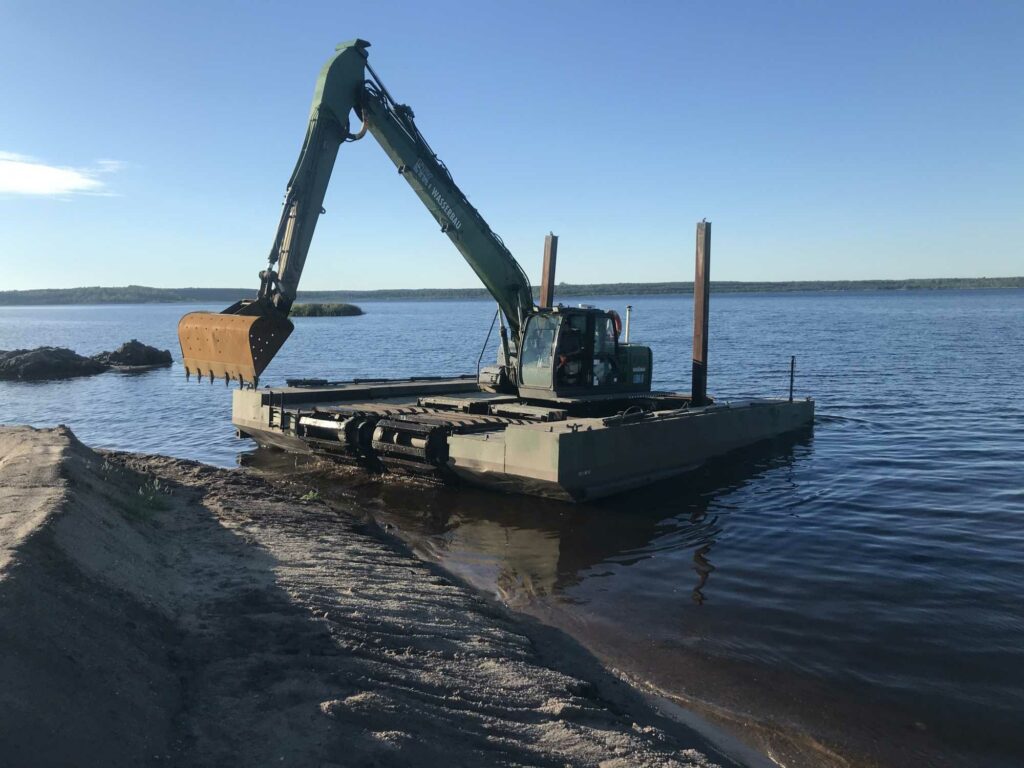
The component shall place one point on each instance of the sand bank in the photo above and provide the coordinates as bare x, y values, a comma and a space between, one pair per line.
157, 611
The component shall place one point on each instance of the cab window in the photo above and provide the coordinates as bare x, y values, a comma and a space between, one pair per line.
571, 355
538, 350
604, 336
604, 372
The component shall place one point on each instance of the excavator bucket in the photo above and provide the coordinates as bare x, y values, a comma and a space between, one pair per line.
233, 347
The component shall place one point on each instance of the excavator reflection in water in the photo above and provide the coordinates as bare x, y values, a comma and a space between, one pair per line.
545, 548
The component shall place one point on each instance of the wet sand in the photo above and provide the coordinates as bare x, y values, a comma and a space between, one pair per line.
522, 556
159, 611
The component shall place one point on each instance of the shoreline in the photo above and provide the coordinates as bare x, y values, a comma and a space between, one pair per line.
163, 609
136, 295
755, 713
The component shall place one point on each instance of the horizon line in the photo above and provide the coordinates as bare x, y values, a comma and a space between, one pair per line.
557, 285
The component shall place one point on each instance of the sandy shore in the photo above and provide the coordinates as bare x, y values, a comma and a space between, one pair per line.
157, 611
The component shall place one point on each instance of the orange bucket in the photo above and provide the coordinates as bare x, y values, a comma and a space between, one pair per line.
230, 346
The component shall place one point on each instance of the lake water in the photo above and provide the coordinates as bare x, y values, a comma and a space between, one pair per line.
856, 593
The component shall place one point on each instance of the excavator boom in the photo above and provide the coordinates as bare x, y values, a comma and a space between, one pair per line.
238, 343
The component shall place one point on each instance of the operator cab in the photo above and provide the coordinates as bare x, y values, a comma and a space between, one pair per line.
575, 353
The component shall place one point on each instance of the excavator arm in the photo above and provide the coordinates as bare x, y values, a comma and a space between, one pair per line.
238, 343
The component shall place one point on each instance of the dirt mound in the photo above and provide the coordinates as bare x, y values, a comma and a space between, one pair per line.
134, 354
155, 611
85, 630
46, 363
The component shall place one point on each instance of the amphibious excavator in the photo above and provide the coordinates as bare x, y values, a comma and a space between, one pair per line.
546, 354
568, 410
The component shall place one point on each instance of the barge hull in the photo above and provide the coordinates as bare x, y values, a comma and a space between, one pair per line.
532, 451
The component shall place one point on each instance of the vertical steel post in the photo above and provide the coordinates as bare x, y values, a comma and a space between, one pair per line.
547, 278
792, 373
629, 313
701, 290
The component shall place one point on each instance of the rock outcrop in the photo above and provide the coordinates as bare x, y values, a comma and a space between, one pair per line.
134, 354
47, 363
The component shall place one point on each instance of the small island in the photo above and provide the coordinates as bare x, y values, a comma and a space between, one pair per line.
325, 310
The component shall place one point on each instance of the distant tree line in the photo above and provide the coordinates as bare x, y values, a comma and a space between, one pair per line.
140, 294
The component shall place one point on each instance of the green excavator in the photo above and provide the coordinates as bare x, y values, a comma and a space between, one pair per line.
547, 354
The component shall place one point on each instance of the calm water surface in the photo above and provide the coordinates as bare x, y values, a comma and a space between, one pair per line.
858, 591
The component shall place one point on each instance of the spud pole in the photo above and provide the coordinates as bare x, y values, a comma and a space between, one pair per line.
701, 291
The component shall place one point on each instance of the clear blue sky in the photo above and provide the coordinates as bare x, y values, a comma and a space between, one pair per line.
150, 142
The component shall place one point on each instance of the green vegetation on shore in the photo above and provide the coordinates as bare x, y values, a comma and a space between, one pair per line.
325, 310
138, 294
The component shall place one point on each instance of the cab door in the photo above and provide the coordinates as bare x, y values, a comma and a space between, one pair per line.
536, 360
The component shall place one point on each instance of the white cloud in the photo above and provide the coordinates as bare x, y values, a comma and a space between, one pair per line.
23, 175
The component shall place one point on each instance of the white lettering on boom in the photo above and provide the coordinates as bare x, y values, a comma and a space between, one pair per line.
426, 178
